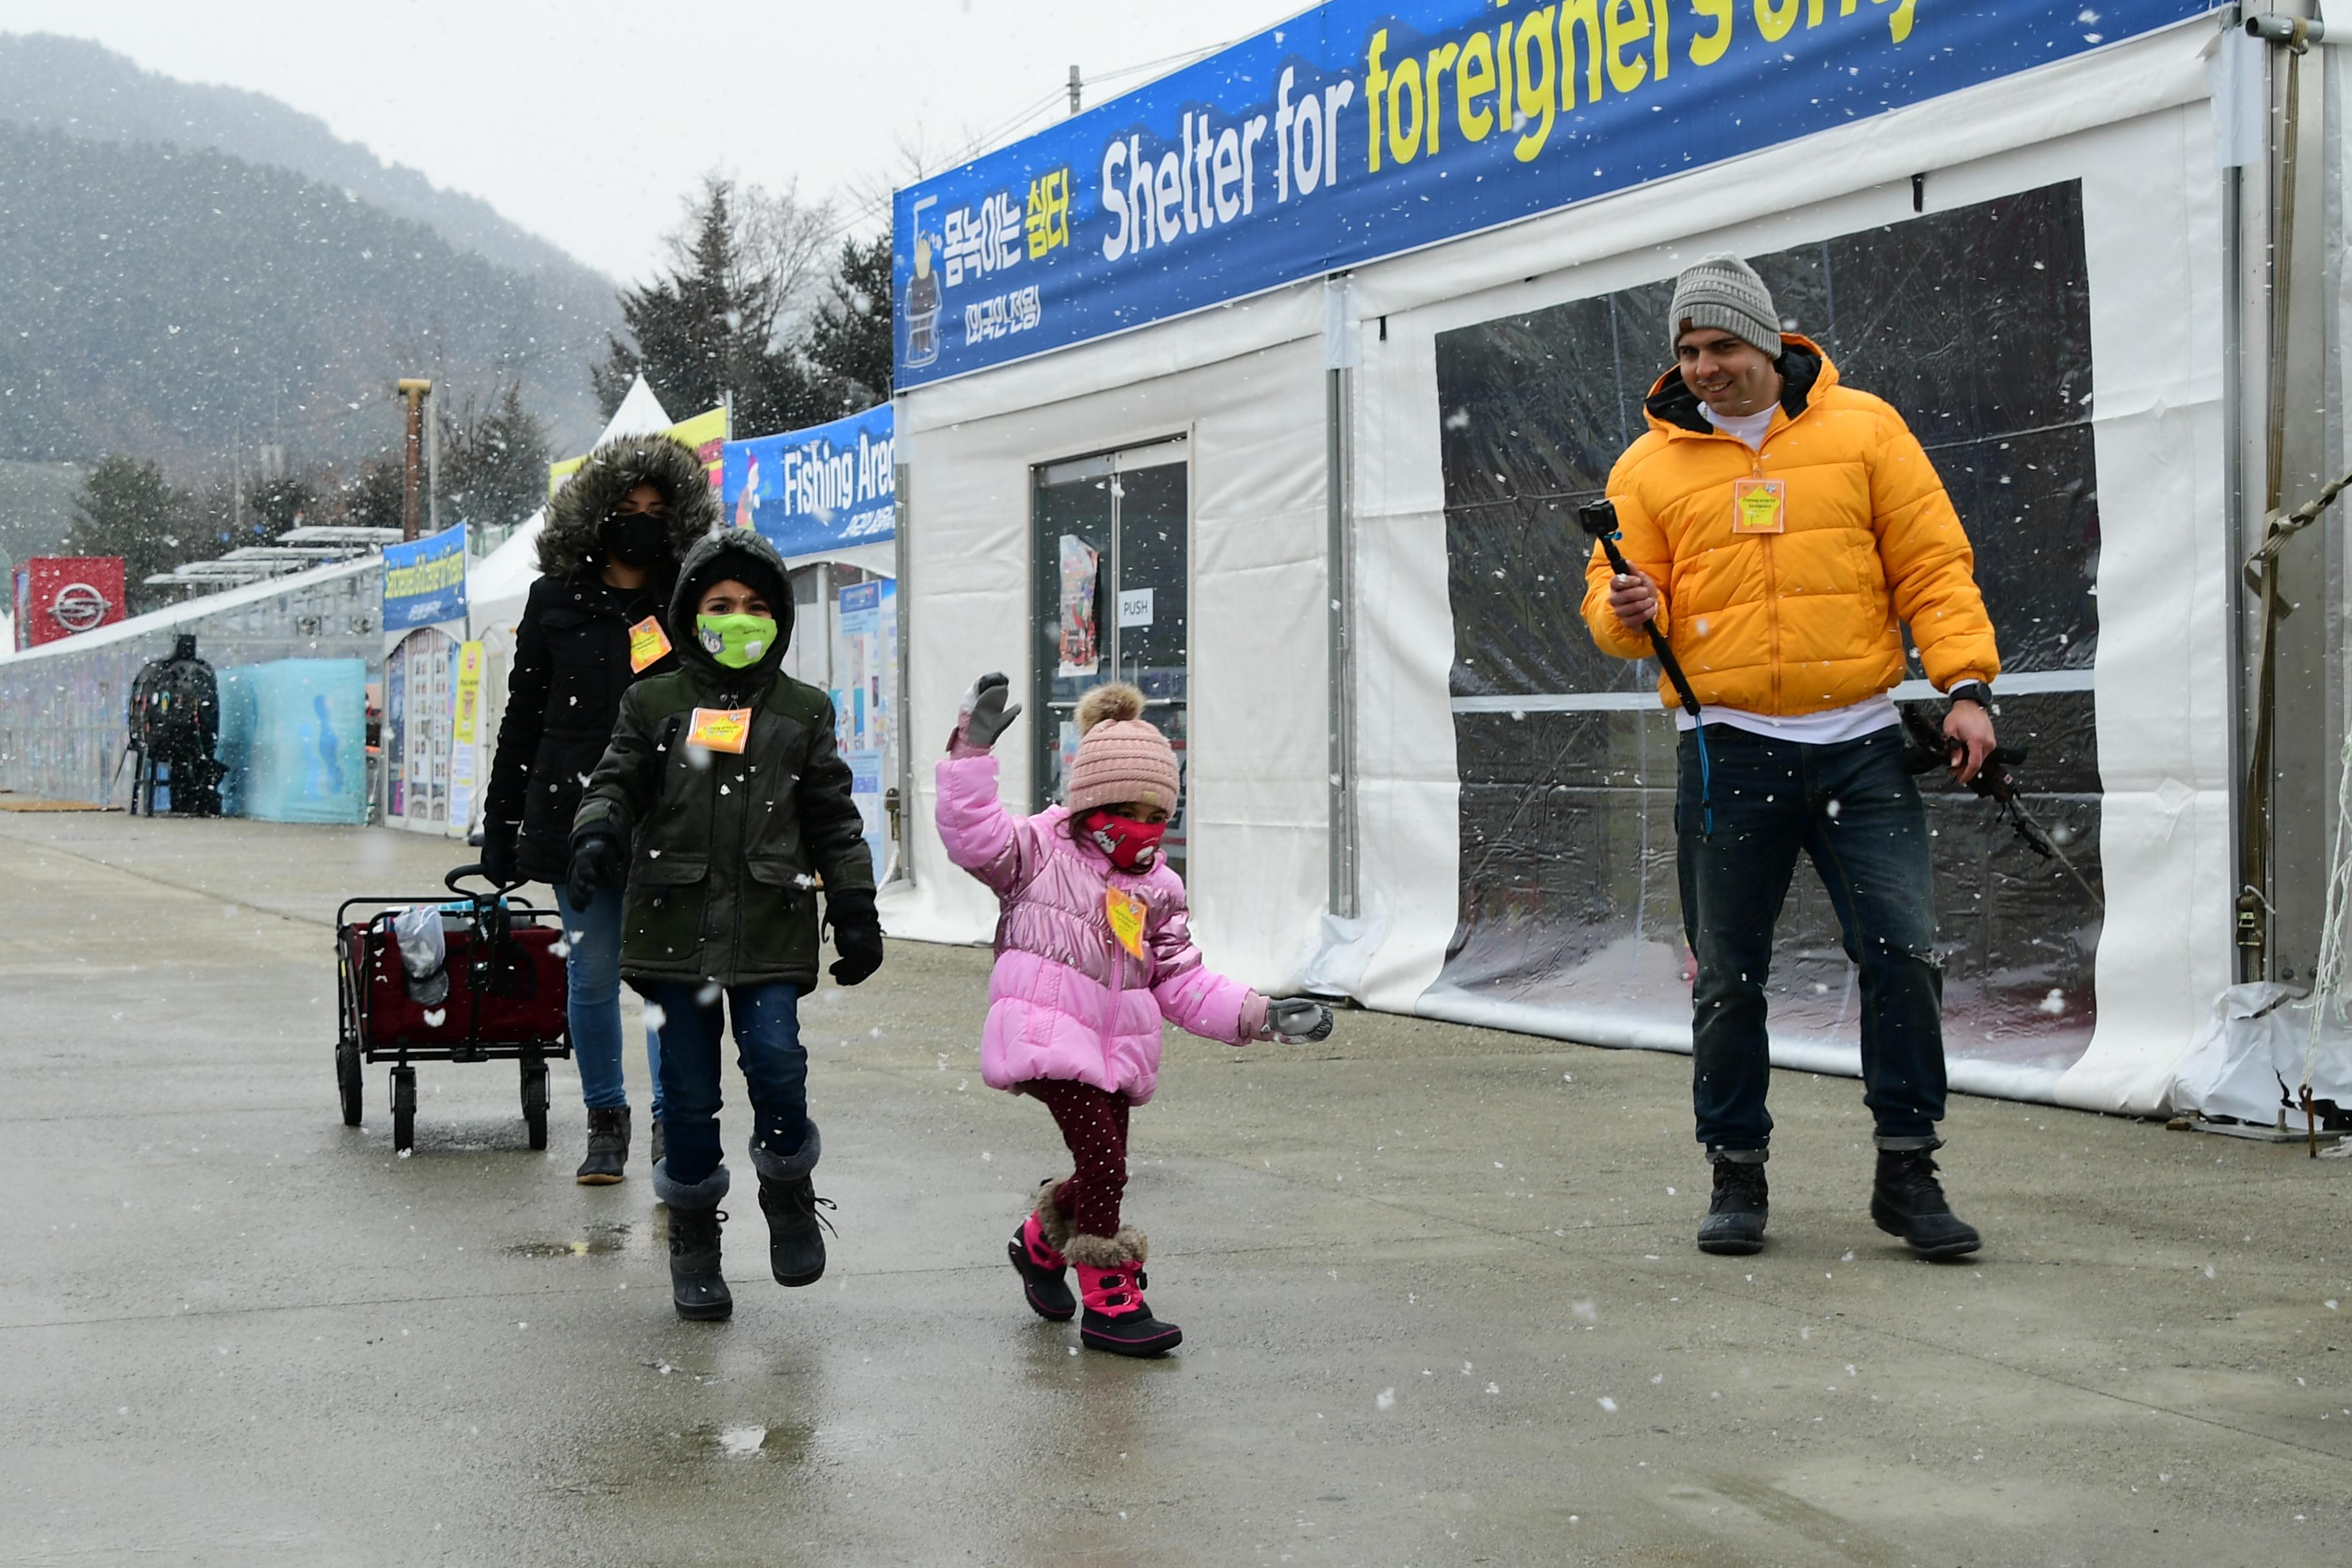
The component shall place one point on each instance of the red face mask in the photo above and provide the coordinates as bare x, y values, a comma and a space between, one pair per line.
1132, 846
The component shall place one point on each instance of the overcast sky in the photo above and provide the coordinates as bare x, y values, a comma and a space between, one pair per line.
587, 121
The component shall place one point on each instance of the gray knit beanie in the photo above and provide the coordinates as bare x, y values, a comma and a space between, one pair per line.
1724, 291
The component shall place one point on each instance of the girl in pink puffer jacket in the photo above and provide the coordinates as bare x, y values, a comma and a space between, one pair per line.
1093, 951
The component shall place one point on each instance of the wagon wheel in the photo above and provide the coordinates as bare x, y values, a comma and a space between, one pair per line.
534, 1101
347, 1045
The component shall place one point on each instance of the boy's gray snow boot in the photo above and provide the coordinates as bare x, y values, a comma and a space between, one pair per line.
696, 1286
788, 1198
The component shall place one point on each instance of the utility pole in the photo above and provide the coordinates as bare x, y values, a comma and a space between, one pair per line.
415, 390
1074, 89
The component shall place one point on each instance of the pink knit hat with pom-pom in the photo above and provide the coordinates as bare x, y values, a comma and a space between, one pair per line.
1120, 757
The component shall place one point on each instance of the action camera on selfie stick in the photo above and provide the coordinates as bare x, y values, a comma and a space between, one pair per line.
1599, 519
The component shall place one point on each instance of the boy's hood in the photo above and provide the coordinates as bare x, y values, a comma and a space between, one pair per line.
721, 553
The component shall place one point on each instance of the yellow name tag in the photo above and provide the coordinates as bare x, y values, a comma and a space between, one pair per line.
1126, 920
720, 729
647, 644
1760, 506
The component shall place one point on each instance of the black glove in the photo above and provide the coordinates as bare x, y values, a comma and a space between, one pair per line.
597, 861
856, 934
499, 853
985, 715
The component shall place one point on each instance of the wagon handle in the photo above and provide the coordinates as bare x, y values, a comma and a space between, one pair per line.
475, 868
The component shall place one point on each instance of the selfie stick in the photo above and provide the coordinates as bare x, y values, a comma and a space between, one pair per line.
1599, 519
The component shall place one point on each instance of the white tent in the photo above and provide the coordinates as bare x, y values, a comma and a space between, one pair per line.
1415, 829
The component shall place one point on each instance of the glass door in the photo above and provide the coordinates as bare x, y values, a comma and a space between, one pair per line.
1111, 541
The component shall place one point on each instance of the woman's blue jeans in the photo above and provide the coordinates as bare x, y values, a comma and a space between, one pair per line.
592, 975
1849, 808
767, 1020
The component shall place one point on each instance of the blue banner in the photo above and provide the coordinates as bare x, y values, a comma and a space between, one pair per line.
1362, 130
425, 580
811, 490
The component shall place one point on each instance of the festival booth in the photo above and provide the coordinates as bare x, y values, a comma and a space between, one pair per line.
1273, 387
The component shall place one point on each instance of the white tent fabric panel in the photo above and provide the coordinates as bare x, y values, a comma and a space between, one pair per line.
2152, 222
1256, 766
2153, 245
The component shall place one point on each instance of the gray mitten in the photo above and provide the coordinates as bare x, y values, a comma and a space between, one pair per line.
986, 715
1296, 1021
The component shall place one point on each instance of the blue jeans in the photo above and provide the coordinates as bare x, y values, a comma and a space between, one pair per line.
1851, 808
768, 1048
592, 975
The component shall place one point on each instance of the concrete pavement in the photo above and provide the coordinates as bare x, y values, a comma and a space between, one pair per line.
1437, 1285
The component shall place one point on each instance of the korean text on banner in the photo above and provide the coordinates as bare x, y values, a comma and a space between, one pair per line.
706, 433
425, 581
1356, 131
811, 490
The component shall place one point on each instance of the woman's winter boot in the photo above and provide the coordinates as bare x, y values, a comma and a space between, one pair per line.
1111, 1284
608, 1147
696, 1286
1036, 1253
788, 1198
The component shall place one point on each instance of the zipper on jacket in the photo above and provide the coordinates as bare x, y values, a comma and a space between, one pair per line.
1772, 586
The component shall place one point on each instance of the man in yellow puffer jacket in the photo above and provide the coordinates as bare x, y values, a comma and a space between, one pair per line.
1782, 528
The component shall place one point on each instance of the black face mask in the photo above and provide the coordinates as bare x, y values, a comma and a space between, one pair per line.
633, 537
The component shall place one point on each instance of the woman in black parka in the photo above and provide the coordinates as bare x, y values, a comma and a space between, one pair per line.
593, 625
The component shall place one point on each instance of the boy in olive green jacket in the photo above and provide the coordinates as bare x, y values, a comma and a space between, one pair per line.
720, 803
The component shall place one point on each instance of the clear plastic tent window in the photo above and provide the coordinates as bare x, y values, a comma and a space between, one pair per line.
1975, 324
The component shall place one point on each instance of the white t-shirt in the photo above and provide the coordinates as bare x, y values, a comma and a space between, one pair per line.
1830, 725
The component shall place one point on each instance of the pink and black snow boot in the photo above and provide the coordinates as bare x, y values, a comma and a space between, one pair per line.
1111, 1284
1036, 1254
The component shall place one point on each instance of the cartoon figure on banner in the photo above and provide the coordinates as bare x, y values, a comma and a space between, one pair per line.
922, 303
748, 504
1081, 648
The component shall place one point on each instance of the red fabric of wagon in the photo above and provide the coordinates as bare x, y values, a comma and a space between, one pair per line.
522, 998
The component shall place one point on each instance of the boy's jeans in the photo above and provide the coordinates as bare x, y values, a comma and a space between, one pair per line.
768, 1048
1849, 806
592, 972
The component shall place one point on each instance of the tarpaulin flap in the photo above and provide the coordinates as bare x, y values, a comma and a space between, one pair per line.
294, 739
1975, 323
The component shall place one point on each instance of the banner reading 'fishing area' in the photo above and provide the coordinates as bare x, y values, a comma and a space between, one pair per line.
819, 489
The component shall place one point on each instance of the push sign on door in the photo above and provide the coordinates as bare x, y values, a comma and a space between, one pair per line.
1134, 607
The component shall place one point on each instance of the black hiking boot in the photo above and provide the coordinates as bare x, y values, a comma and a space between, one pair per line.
608, 1147
696, 1286
1734, 1224
1907, 1200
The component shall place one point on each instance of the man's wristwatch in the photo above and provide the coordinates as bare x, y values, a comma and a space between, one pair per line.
1975, 692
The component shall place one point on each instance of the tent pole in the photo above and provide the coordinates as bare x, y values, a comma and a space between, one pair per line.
2255, 905
1340, 351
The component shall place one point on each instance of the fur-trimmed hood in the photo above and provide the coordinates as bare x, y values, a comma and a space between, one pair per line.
568, 543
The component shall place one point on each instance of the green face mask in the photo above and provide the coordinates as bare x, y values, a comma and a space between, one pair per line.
736, 641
